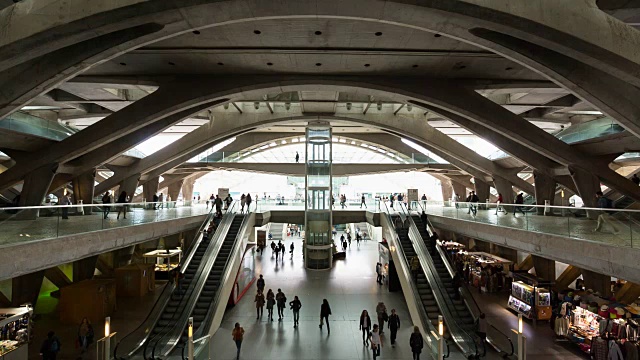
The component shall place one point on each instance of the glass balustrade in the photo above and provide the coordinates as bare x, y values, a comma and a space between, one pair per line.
21, 224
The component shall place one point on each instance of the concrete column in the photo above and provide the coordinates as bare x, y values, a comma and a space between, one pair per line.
505, 188
482, 190
526, 264
150, 188
25, 288
174, 190
629, 293
459, 189
35, 187
129, 185
83, 189
122, 257
447, 190
569, 275
597, 282
545, 268
83, 269
545, 188
187, 189
587, 184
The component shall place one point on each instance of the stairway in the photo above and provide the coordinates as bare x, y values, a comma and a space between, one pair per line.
276, 231
363, 228
461, 313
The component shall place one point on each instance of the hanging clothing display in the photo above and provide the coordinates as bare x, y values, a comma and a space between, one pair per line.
599, 349
614, 351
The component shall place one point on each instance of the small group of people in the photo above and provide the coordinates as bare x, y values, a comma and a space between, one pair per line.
123, 198
246, 200
346, 241
472, 202
52, 345
279, 249
158, 200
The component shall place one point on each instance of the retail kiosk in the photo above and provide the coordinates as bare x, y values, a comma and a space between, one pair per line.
165, 260
15, 333
529, 297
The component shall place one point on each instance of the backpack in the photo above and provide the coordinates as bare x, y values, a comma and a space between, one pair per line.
55, 345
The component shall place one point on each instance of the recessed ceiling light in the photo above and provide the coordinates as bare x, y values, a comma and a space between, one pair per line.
270, 64
367, 65
171, 63
257, 32
378, 33
318, 64
437, 35
318, 32
123, 64
196, 32
415, 66
509, 68
220, 63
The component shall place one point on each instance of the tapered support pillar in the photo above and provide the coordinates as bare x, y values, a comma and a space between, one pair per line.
569, 275
187, 189
505, 188
447, 190
83, 269
150, 188
587, 184
35, 187
629, 293
526, 264
545, 188
83, 189
597, 282
482, 190
459, 190
122, 257
25, 288
545, 268
129, 185
174, 190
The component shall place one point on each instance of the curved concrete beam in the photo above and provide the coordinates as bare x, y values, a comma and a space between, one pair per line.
596, 40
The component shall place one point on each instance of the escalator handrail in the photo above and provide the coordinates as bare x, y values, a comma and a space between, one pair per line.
466, 294
170, 330
413, 289
227, 274
443, 301
165, 295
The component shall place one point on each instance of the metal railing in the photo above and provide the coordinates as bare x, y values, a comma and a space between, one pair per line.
133, 341
428, 328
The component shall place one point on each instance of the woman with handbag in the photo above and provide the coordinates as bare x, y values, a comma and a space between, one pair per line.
325, 311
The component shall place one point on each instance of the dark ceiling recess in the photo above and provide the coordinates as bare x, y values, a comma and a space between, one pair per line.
257, 32
318, 64
378, 33
172, 63
123, 64
367, 65
269, 64
220, 63
437, 35
415, 66
509, 68
318, 32
196, 32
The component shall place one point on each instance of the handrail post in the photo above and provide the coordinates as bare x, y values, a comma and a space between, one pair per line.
190, 353
440, 338
107, 338
522, 340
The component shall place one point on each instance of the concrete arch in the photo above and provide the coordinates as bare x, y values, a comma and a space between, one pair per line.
183, 94
593, 41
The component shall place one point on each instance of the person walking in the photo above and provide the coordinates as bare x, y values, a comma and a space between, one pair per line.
425, 220
106, 201
243, 202
161, 201
271, 301
218, 203
376, 344
349, 239
85, 335
237, 334
259, 300
281, 301
325, 311
65, 201
498, 202
282, 250
456, 200
363, 202
155, 201
50, 347
415, 266
604, 218
291, 250
379, 273
260, 284
416, 342
358, 237
365, 326
393, 325
122, 200
519, 201
295, 305
277, 251
297, 157
381, 311
273, 246
481, 327
248, 201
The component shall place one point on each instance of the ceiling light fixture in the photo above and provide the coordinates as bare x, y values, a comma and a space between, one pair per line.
256, 105
349, 106
287, 105
409, 107
379, 106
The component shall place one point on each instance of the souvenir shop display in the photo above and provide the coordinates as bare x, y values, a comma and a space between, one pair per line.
486, 271
611, 330
165, 260
530, 301
15, 333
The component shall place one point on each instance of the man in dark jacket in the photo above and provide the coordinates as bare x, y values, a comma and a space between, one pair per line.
281, 301
394, 325
50, 347
423, 218
260, 284
295, 305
